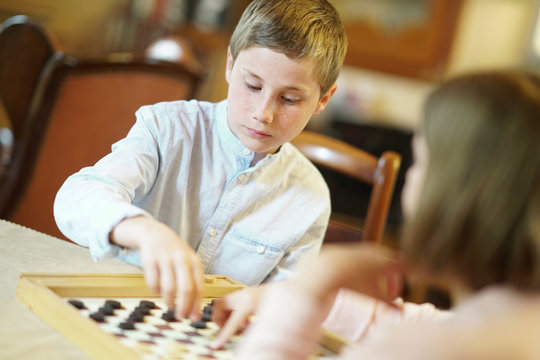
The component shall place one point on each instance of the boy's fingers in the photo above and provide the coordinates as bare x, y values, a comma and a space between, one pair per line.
198, 279
185, 289
234, 324
151, 276
168, 285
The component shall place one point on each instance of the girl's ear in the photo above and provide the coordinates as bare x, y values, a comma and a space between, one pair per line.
325, 99
229, 64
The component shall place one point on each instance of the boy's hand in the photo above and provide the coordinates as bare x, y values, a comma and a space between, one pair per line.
371, 269
232, 312
171, 267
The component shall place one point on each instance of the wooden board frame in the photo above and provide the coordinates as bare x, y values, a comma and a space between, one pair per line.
44, 294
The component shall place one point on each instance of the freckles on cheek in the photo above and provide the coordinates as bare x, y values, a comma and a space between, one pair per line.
244, 107
245, 98
238, 102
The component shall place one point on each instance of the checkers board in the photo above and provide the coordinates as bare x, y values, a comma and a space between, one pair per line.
73, 305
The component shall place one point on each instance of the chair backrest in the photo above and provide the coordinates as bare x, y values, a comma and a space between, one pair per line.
379, 172
25, 48
6, 141
85, 107
174, 48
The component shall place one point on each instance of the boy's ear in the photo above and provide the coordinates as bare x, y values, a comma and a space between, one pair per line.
325, 99
228, 69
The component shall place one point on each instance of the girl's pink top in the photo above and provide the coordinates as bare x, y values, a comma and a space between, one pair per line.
288, 324
495, 324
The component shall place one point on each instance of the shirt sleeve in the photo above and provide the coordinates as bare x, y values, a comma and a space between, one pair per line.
92, 201
351, 315
483, 327
355, 316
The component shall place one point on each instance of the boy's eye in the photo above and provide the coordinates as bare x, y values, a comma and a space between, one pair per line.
289, 100
252, 87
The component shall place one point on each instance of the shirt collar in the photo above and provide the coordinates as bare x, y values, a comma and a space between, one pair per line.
230, 141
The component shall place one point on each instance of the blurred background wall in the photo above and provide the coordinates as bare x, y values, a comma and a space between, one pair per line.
91, 29
398, 50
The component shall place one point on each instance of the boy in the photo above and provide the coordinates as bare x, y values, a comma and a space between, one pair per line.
200, 187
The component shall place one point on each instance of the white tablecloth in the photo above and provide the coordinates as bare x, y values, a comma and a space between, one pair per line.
23, 335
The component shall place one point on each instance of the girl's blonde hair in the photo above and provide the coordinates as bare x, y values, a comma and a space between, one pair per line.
478, 217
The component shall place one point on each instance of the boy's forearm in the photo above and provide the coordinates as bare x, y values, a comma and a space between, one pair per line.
127, 233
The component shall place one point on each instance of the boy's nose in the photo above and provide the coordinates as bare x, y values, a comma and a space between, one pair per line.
265, 111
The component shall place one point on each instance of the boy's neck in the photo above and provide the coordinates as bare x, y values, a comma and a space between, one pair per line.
256, 158
259, 156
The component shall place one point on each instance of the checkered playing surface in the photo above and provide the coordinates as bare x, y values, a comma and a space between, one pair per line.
152, 336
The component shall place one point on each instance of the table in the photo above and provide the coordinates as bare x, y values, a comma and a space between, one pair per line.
23, 335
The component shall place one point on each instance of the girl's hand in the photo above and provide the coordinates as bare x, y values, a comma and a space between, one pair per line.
370, 269
232, 312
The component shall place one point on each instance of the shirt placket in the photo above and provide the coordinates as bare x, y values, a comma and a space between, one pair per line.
226, 209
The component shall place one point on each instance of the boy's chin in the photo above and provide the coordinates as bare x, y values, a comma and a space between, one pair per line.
259, 148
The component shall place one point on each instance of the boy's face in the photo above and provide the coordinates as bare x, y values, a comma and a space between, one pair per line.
415, 177
271, 97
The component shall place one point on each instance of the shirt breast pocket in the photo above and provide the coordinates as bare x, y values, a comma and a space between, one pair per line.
248, 259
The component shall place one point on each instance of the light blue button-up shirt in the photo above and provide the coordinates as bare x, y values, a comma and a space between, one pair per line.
182, 165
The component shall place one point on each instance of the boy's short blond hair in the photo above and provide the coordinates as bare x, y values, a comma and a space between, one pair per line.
300, 29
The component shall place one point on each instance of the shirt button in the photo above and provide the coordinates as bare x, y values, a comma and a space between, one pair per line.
213, 232
246, 151
260, 249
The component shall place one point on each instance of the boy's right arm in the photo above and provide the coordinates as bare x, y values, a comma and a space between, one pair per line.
95, 199
171, 266
95, 208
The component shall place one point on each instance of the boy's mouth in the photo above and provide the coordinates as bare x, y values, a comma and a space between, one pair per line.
257, 134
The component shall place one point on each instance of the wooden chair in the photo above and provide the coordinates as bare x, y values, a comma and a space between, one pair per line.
6, 141
85, 107
176, 49
25, 48
379, 172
